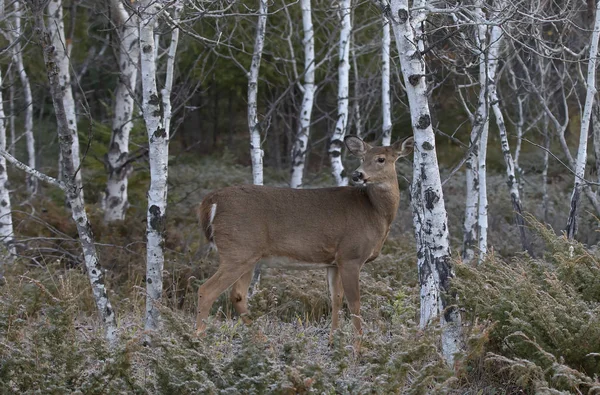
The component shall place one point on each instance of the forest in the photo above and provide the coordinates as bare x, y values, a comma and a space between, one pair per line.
117, 118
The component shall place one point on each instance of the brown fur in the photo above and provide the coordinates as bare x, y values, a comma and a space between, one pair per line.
343, 226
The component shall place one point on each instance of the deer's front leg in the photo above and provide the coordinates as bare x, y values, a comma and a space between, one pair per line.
336, 291
349, 272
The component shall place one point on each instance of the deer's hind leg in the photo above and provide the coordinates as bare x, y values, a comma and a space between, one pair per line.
239, 295
228, 273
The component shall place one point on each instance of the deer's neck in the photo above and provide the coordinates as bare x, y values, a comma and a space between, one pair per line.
385, 198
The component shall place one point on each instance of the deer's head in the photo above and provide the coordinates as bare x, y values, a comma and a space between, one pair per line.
378, 164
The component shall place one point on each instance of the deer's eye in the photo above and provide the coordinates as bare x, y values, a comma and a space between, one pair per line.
380, 160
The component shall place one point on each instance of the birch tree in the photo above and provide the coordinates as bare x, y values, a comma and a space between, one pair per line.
68, 183
571, 229
301, 143
117, 161
56, 28
475, 223
6, 224
256, 151
336, 142
430, 217
157, 124
17, 60
494, 47
386, 104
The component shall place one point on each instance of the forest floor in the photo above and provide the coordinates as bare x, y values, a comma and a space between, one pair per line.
531, 325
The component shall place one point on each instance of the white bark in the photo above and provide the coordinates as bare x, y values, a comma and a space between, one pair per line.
473, 166
356, 116
386, 103
431, 220
57, 31
6, 225
73, 193
336, 143
585, 124
158, 138
301, 144
166, 91
17, 58
118, 168
256, 151
482, 120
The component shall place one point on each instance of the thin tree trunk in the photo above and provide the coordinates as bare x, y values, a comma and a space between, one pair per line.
520, 123
545, 200
11, 108
596, 135
166, 91
585, 124
56, 28
483, 119
6, 225
357, 118
301, 143
116, 201
256, 151
495, 42
431, 219
479, 130
73, 193
336, 142
17, 57
386, 102
158, 140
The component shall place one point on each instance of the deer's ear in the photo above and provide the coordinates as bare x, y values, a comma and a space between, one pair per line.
356, 146
403, 148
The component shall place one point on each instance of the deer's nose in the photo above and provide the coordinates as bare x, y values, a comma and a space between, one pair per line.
357, 176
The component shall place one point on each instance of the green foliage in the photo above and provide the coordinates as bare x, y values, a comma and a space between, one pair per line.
545, 313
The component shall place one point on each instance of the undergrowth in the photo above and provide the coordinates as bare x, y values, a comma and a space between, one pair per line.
535, 321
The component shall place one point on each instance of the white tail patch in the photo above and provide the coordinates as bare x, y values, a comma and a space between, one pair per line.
211, 218
213, 211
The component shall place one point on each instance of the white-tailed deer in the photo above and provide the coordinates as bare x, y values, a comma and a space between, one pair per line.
335, 228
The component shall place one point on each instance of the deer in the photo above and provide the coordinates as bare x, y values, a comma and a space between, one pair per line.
338, 229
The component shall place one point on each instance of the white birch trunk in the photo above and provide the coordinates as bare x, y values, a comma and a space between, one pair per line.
256, 151
596, 135
57, 31
73, 193
386, 102
166, 91
519, 127
336, 142
472, 182
356, 117
431, 219
479, 131
482, 119
116, 201
585, 124
495, 42
301, 144
158, 139
6, 225
17, 58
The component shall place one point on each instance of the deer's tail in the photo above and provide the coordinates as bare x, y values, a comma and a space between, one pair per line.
206, 214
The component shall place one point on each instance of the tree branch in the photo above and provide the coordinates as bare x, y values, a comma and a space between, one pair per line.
39, 175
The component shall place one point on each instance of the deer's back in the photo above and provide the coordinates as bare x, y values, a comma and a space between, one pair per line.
304, 224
